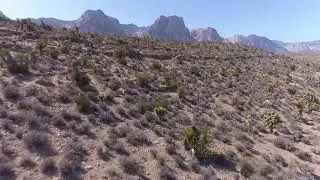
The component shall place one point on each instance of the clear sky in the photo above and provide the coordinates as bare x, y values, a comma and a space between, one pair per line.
286, 20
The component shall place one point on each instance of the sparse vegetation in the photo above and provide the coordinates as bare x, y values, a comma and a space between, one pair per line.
78, 107
197, 138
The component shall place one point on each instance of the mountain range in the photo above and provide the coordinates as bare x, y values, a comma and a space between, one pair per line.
174, 28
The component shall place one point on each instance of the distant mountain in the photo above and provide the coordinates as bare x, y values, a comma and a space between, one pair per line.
170, 28
259, 42
94, 21
206, 34
53, 21
2, 16
173, 28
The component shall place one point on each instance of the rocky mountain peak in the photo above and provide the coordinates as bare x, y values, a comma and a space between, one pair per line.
206, 34
170, 28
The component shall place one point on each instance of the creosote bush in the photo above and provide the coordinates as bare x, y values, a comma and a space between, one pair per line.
271, 120
53, 53
143, 79
198, 139
83, 103
18, 65
80, 78
41, 44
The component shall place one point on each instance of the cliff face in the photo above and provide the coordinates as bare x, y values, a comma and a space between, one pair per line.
206, 34
170, 28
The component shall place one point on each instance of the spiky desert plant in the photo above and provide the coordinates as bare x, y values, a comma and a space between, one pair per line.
271, 120
160, 111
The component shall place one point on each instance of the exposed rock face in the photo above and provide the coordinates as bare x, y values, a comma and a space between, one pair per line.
94, 21
97, 21
259, 42
170, 28
206, 34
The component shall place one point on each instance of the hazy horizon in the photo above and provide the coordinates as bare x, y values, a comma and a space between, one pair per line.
287, 21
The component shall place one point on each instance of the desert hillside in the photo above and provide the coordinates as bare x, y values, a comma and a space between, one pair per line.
86, 106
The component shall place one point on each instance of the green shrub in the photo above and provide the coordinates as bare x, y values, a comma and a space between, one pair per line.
271, 120
41, 44
156, 65
160, 111
182, 93
143, 79
83, 103
171, 81
198, 139
53, 53
19, 64
80, 78
300, 105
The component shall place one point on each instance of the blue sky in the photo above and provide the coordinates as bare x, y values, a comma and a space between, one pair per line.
286, 20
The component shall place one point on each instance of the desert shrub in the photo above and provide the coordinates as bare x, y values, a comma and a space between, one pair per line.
48, 166
70, 164
171, 81
266, 170
283, 143
246, 169
171, 149
143, 106
7, 171
182, 93
19, 64
156, 65
108, 117
138, 139
7, 125
271, 120
41, 44
80, 78
58, 121
181, 163
278, 159
195, 70
198, 139
195, 166
53, 53
160, 111
120, 149
304, 156
103, 153
83, 103
37, 142
143, 79
167, 173
130, 166
27, 163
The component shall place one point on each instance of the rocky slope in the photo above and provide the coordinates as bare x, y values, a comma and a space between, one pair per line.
89, 106
206, 34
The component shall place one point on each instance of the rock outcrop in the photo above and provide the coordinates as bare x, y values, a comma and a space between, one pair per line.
206, 34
